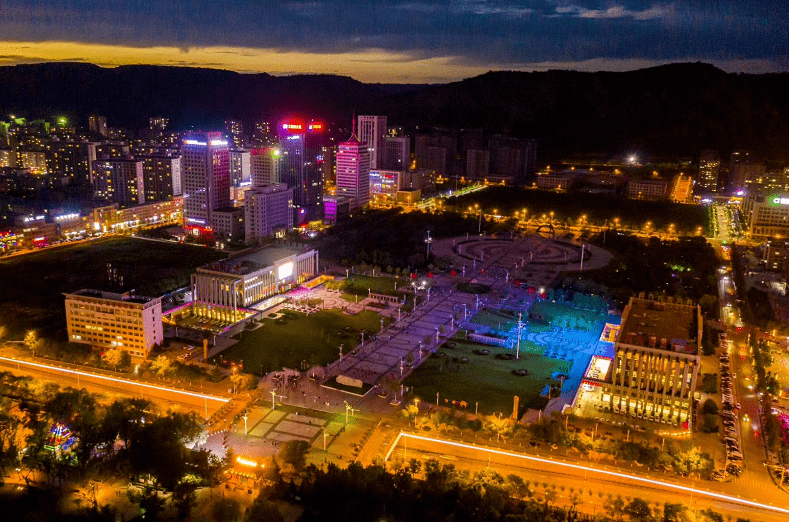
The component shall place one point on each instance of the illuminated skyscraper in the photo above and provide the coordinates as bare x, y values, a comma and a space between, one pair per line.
300, 144
353, 171
372, 131
206, 179
119, 180
98, 125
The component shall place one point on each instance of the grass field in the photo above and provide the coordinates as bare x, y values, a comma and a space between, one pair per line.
484, 378
315, 338
33, 284
360, 284
564, 315
500, 319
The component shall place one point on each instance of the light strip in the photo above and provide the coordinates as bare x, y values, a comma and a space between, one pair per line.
669, 485
112, 379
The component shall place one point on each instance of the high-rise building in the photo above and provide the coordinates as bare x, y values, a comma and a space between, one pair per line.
107, 320
161, 177
206, 178
98, 125
119, 180
372, 131
239, 167
709, 170
267, 211
398, 153
112, 149
71, 159
266, 165
353, 172
300, 144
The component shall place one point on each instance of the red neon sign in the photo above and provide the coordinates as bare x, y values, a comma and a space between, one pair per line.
316, 126
292, 125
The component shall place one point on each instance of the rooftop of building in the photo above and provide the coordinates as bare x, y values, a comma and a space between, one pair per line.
128, 297
253, 261
224, 210
671, 326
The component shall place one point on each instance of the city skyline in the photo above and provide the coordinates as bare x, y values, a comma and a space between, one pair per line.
403, 42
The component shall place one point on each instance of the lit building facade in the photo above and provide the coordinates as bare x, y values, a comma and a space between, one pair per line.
709, 171
766, 215
650, 189
384, 185
268, 210
161, 177
221, 289
353, 172
206, 178
110, 218
107, 320
681, 189
266, 165
119, 180
71, 159
657, 361
239, 167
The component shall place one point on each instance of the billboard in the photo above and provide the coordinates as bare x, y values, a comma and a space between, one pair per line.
284, 271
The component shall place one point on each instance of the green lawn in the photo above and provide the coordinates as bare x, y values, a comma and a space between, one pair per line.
360, 284
33, 283
484, 378
315, 338
564, 315
500, 319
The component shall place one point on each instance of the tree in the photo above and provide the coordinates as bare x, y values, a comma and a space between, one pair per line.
675, 512
31, 339
117, 358
638, 510
263, 510
151, 504
294, 452
244, 381
225, 510
162, 366
184, 498
709, 407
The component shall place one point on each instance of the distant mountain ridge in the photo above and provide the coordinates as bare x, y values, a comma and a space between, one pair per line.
675, 109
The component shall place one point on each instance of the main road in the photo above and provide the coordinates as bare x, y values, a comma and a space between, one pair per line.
595, 480
204, 404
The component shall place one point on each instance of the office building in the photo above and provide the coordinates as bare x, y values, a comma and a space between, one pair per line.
119, 180
228, 222
222, 289
766, 215
158, 123
106, 320
398, 153
206, 178
353, 172
161, 177
240, 166
268, 211
300, 144
649, 189
266, 165
335, 207
384, 185
372, 131
112, 218
657, 361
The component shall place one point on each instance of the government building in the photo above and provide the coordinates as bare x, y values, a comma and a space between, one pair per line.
222, 289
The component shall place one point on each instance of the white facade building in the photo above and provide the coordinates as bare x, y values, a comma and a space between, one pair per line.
206, 179
267, 210
372, 131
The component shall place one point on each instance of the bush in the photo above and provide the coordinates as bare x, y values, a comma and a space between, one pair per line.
710, 407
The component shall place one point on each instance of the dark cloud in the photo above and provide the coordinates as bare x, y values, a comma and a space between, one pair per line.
472, 31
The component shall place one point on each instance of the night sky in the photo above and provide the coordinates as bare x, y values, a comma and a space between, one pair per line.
399, 41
